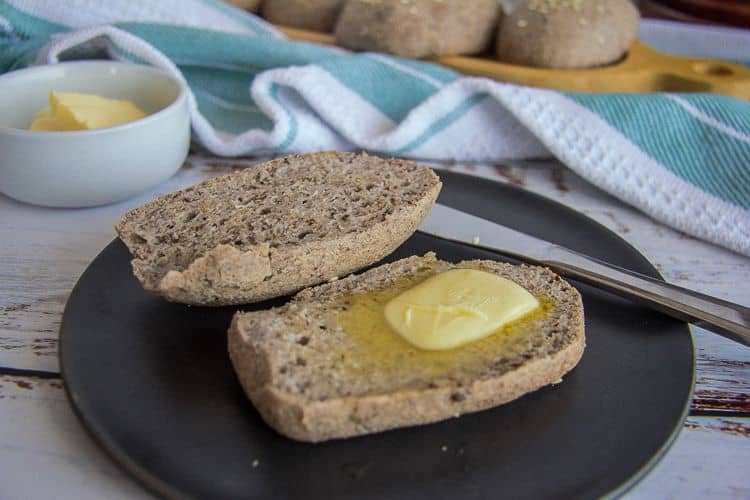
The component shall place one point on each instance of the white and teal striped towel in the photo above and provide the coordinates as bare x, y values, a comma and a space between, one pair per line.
682, 158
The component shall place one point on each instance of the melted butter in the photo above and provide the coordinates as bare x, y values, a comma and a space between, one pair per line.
376, 347
456, 307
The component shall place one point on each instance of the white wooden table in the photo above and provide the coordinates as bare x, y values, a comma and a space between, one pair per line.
45, 453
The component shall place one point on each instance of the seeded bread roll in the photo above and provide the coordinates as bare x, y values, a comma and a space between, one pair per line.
567, 34
314, 375
277, 227
418, 28
251, 5
315, 15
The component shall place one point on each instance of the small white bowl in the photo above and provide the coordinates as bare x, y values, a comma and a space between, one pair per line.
90, 167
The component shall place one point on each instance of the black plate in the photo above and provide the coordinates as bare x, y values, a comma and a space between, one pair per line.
153, 384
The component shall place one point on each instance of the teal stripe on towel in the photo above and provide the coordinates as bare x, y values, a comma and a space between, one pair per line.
184, 43
435, 71
227, 117
19, 47
223, 83
228, 107
694, 150
27, 26
727, 110
16, 54
443, 122
393, 92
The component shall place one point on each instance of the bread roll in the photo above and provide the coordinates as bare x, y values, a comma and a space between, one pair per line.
418, 28
567, 34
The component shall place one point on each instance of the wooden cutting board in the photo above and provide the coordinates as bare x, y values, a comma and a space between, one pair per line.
643, 69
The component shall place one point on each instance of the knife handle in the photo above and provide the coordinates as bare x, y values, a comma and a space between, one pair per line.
725, 318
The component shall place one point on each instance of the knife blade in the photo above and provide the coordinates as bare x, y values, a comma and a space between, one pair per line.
719, 316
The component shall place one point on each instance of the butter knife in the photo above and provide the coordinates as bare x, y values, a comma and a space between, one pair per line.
725, 318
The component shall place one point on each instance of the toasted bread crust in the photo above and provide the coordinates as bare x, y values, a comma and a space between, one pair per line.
270, 263
316, 406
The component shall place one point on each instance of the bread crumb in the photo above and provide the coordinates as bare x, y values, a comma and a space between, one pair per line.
255, 462
522, 23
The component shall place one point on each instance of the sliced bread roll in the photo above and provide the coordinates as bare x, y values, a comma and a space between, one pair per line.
418, 28
276, 227
326, 366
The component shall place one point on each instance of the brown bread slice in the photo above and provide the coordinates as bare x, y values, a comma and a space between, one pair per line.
312, 380
276, 227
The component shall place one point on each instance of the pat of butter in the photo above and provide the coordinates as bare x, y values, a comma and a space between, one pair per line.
74, 111
456, 307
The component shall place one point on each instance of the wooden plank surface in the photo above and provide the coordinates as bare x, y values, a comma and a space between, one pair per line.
44, 251
708, 460
45, 452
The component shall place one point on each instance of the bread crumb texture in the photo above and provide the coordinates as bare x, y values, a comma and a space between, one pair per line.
276, 227
315, 371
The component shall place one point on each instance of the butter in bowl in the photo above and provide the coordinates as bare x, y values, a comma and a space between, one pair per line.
88, 133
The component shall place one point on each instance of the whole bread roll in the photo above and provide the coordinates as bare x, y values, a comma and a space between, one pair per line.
567, 34
315, 15
418, 28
